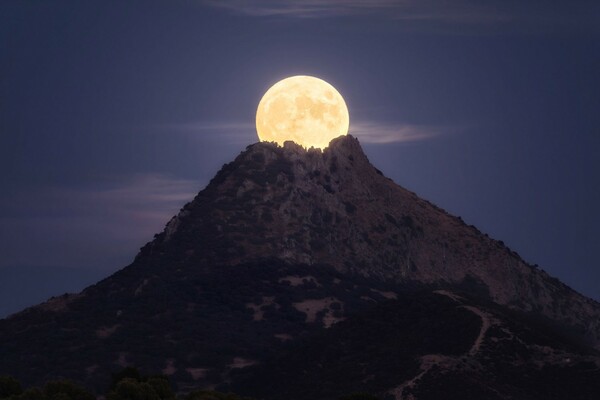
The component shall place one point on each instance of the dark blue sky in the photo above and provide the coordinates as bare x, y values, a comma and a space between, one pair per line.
113, 114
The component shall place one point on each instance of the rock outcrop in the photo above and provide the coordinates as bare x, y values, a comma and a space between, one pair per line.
288, 247
334, 207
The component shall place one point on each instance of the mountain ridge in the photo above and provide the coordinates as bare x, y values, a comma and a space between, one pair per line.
282, 247
390, 210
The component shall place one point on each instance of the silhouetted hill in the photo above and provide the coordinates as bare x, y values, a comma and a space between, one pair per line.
25, 286
430, 345
300, 274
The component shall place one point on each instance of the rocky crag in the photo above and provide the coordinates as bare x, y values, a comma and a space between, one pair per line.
288, 253
334, 207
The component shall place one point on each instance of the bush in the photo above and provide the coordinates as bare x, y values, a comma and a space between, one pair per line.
66, 390
359, 396
130, 389
9, 386
129, 384
30, 394
128, 372
162, 387
212, 395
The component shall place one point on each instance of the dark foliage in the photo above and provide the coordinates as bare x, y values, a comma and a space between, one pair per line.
382, 343
9, 386
200, 317
211, 295
10, 389
212, 395
359, 396
129, 385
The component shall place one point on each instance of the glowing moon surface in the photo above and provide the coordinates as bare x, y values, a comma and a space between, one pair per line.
304, 109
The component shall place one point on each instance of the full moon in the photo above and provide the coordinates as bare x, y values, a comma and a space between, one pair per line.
303, 109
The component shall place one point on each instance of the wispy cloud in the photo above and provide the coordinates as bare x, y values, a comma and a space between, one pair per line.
96, 226
430, 14
148, 197
231, 132
381, 133
366, 131
303, 8
209, 126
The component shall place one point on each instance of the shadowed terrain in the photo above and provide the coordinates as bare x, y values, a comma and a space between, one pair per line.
305, 274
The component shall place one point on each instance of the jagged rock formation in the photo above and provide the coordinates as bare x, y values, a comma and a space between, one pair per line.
286, 248
334, 207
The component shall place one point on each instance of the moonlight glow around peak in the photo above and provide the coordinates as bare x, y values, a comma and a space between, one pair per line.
304, 109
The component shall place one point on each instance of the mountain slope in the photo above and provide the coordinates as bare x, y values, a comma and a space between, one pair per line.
335, 208
428, 345
281, 245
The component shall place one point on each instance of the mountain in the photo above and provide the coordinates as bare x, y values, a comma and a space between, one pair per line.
308, 274
23, 286
428, 345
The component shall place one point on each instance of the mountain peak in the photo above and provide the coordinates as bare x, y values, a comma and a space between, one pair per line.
283, 244
344, 151
288, 196
333, 207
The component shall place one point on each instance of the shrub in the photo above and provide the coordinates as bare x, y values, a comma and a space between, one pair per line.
9, 386
66, 390
359, 396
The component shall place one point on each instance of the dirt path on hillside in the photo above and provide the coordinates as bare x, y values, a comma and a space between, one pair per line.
430, 360
486, 323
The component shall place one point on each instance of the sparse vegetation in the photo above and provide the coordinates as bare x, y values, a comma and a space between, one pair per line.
10, 389
227, 301
128, 384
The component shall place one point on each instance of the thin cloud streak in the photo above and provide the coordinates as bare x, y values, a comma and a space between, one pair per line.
230, 132
376, 133
94, 227
429, 14
366, 131
303, 8
209, 126
154, 194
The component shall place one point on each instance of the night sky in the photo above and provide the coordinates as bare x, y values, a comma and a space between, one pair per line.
113, 114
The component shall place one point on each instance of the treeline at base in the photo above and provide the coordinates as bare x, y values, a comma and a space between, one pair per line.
127, 384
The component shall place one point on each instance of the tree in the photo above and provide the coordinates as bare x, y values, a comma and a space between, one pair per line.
9, 386
212, 395
131, 389
130, 384
129, 372
161, 386
30, 394
359, 396
66, 390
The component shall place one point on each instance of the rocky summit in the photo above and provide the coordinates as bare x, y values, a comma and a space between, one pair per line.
307, 274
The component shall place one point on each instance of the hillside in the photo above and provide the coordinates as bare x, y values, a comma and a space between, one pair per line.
289, 255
